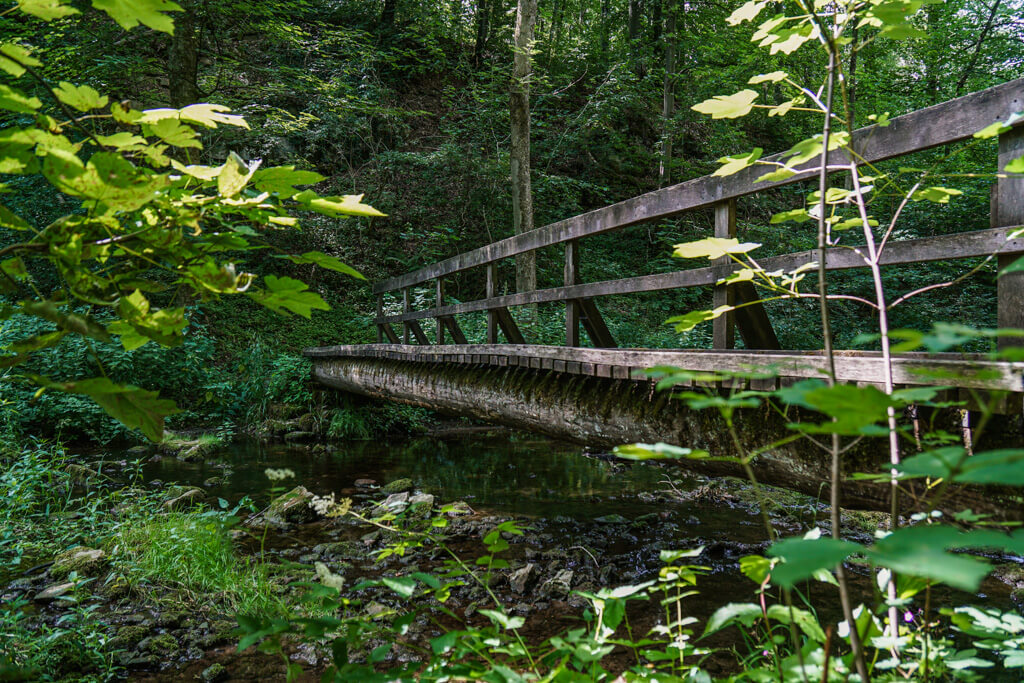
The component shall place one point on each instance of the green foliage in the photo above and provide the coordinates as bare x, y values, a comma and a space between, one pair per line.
148, 221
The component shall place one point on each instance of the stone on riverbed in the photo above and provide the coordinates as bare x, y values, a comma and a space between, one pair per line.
291, 508
292, 437
558, 585
84, 561
398, 486
188, 499
520, 577
53, 592
213, 673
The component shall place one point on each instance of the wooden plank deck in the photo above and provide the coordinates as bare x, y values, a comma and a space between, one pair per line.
971, 371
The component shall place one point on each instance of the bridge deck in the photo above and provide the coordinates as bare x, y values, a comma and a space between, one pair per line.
962, 371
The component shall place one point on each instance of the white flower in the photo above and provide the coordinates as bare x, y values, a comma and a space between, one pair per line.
327, 577
279, 475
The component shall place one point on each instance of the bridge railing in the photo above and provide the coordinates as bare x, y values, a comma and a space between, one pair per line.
944, 123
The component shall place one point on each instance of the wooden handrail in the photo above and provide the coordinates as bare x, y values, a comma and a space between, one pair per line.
923, 129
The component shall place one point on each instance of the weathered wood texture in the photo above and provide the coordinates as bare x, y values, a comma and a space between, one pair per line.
910, 369
1008, 209
598, 408
979, 243
941, 124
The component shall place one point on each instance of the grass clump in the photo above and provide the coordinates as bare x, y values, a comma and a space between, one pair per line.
192, 552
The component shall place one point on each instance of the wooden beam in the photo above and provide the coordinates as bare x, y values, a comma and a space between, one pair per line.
440, 305
380, 314
572, 309
1009, 210
386, 330
457, 336
941, 124
407, 308
978, 243
752, 321
492, 318
418, 333
912, 369
508, 326
592, 321
723, 327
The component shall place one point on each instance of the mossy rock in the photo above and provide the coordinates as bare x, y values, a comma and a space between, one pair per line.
116, 587
129, 636
397, 486
213, 673
189, 499
291, 508
84, 561
161, 644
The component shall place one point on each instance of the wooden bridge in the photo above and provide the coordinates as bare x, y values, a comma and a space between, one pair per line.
942, 124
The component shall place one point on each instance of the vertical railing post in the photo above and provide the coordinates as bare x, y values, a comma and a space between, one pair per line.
572, 310
1008, 210
492, 315
440, 303
724, 331
380, 314
406, 308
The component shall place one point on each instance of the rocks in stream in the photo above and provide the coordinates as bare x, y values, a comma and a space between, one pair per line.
289, 508
184, 500
397, 486
81, 560
213, 673
521, 577
54, 592
559, 585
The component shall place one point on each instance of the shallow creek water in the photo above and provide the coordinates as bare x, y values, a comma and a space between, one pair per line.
605, 519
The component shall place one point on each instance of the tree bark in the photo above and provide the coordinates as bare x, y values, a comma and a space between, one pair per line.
668, 100
183, 60
519, 109
483, 26
387, 20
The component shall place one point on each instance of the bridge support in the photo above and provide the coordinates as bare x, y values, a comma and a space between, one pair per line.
605, 412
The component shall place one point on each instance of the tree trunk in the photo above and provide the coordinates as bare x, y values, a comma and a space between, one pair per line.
656, 22
554, 29
183, 60
668, 98
634, 33
483, 25
605, 13
519, 108
387, 20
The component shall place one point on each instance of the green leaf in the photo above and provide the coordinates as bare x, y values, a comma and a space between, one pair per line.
776, 176
325, 261
756, 567
502, 619
728, 106
81, 97
1015, 267
348, 205
174, 133
72, 322
747, 12
684, 323
285, 293
713, 248
853, 408
773, 77
802, 618
234, 175
802, 558
939, 195
14, 58
131, 13
402, 585
47, 10
281, 180
737, 163
133, 407
210, 115
17, 101
1015, 166
795, 215
921, 551
745, 613
658, 451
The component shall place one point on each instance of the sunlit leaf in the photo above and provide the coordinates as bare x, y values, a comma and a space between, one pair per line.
939, 195
131, 13
803, 557
744, 613
285, 293
737, 163
210, 115
773, 77
325, 261
713, 248
14, 100
281, 180
14, 58
47, 10
81, 97
658, 451
684, 323
728, 106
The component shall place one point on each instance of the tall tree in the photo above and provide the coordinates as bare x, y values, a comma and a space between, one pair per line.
668, 96
519, 108
183, 59
483, 28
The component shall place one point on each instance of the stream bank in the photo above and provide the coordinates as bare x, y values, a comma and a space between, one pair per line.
590, 522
